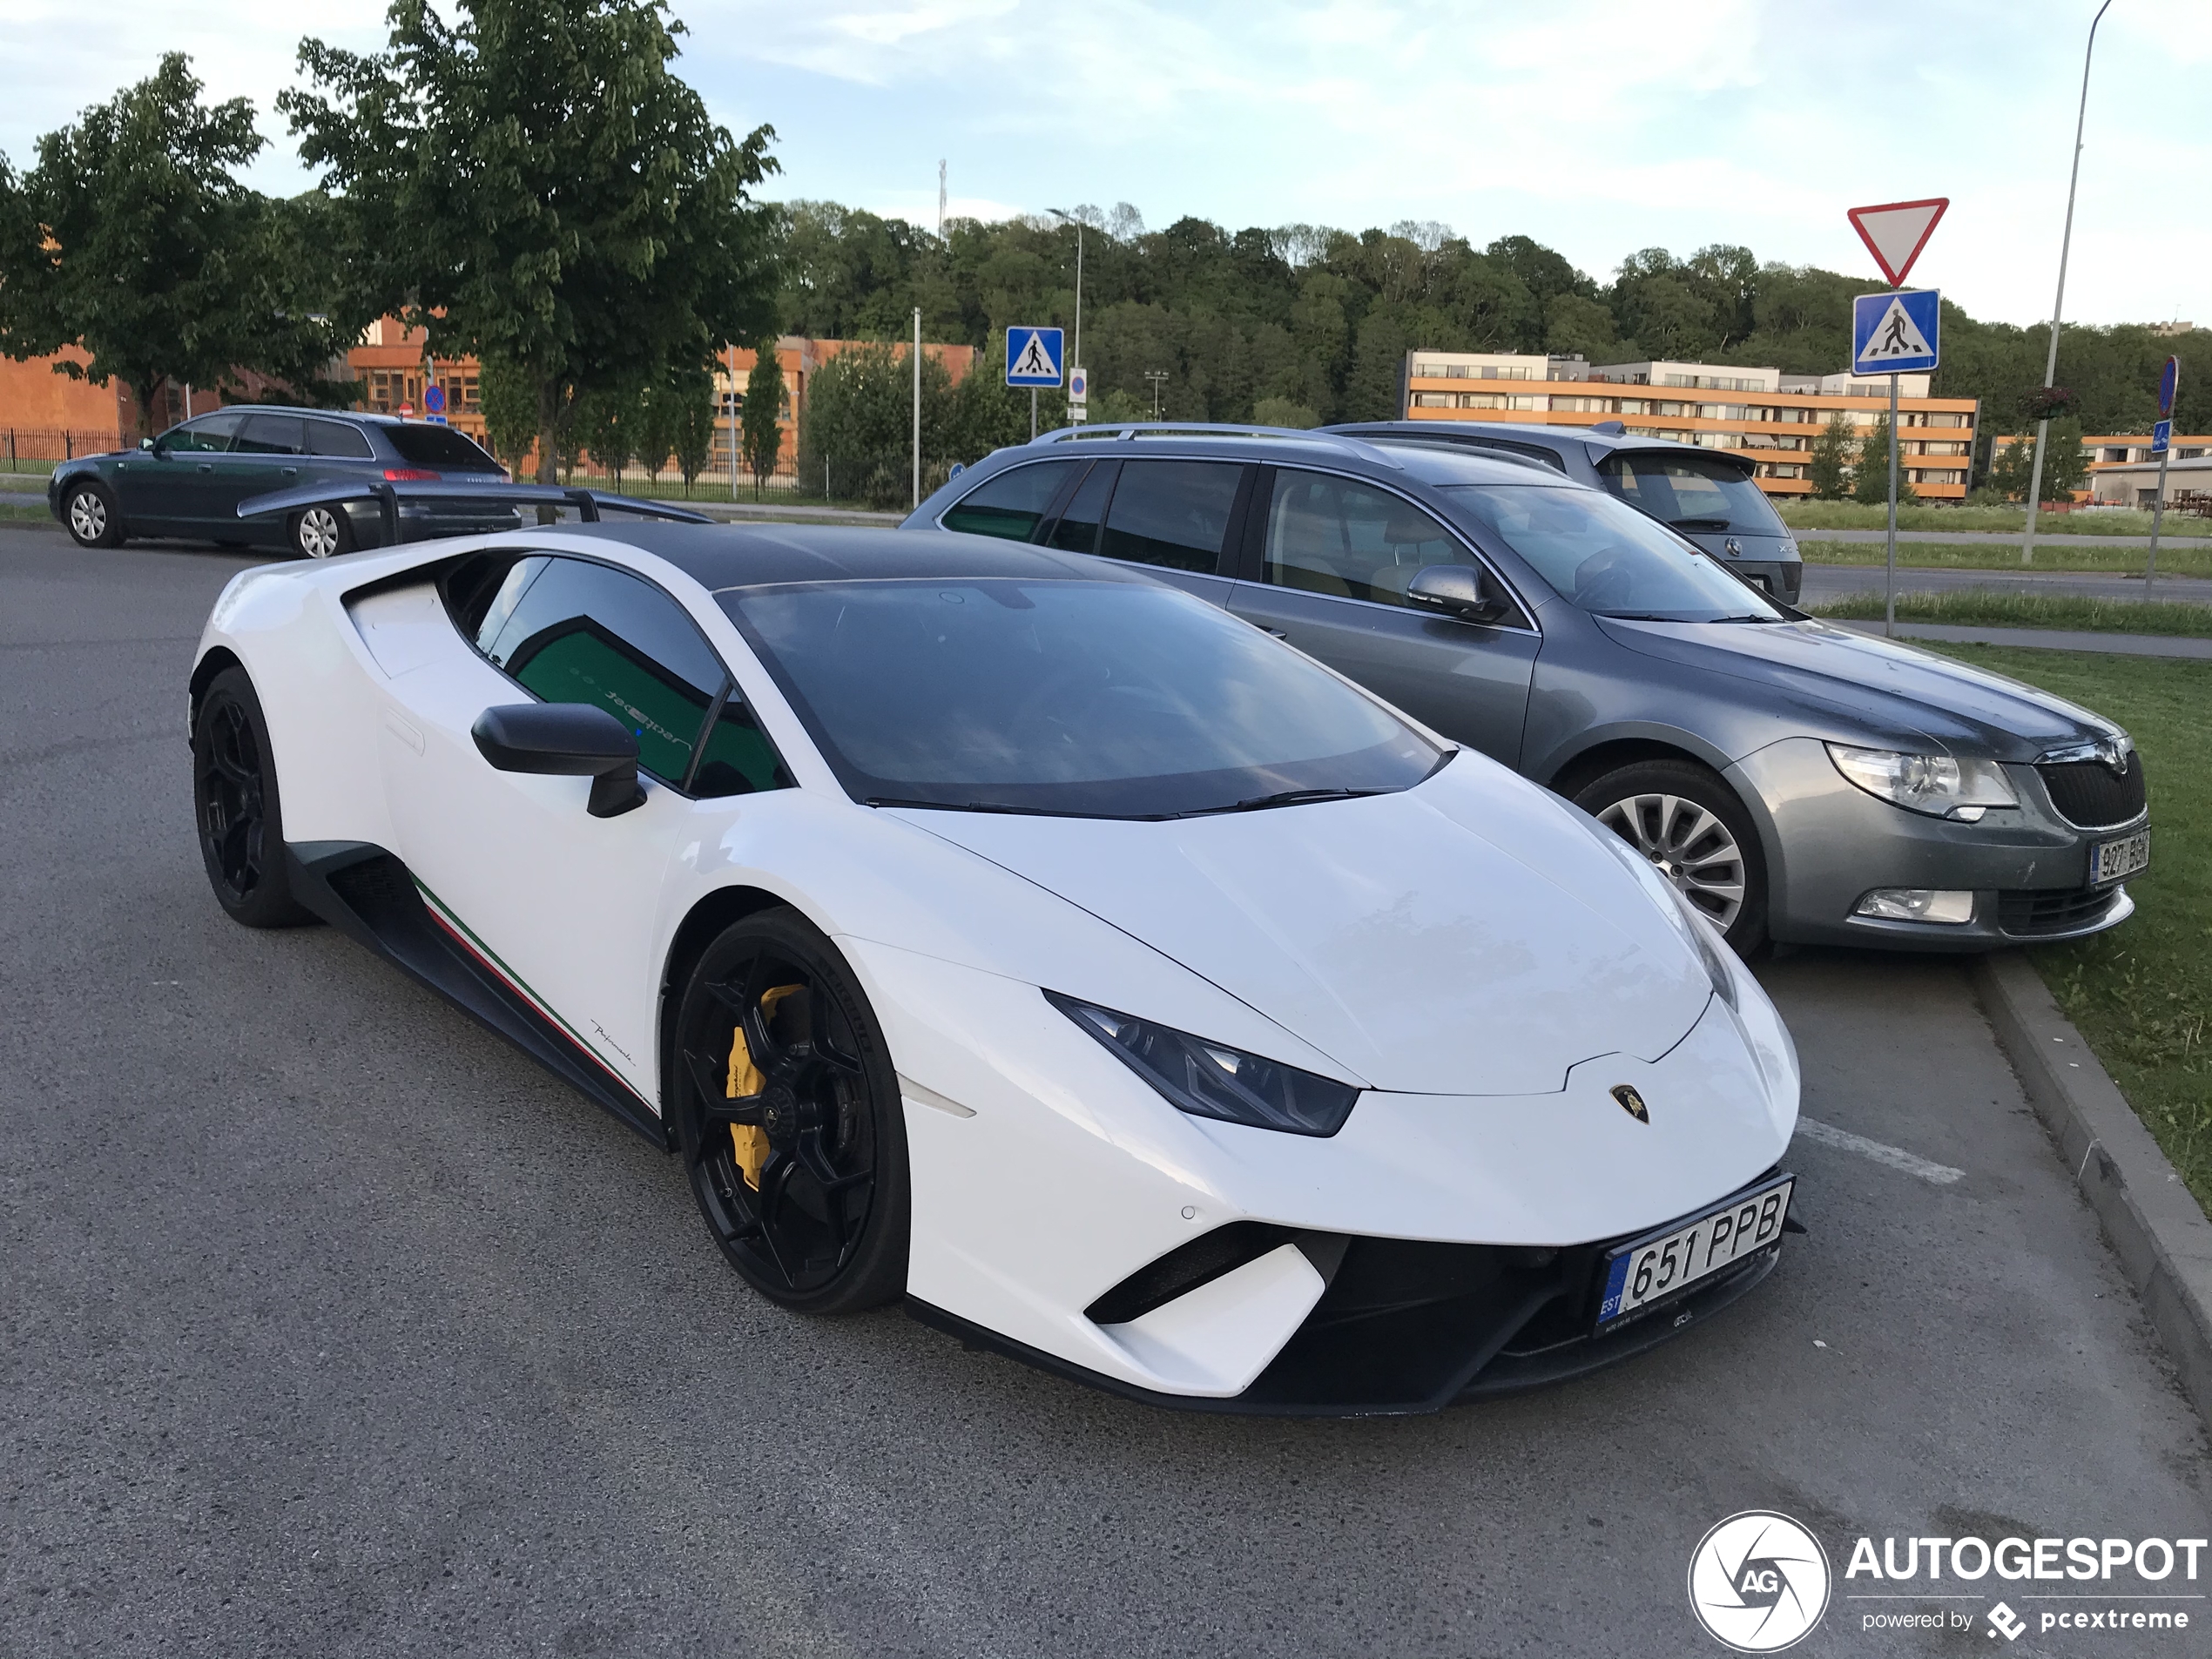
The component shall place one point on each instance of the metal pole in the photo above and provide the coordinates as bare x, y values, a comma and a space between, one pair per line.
2158, 509
1076, 359
1033, 415
1889, 603
2058, 305
917, 406
733, 421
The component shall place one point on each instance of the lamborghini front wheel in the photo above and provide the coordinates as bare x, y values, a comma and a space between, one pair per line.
790, 1120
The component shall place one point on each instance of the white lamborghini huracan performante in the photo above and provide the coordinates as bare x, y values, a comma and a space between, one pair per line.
1001, 930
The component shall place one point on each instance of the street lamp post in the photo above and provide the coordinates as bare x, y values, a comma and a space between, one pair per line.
1075, 355
1159, 378
2058, 305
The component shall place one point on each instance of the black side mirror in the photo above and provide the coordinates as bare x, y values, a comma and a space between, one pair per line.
565, 740
1456, 590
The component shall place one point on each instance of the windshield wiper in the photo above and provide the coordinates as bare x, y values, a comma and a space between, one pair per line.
1699, 524
1282, 798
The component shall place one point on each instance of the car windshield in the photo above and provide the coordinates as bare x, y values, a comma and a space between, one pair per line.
437, 446
1109, 699
1691, 492
1607, 557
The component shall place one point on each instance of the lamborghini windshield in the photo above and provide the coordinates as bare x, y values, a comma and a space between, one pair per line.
1113, 700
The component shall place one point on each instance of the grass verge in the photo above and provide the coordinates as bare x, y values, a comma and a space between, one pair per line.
1940, 555
1981, 608
1851, 516
11, 513
2141, 993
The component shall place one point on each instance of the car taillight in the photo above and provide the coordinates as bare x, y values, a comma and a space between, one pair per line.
410, 475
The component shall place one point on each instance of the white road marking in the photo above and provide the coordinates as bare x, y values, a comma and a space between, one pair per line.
1897, 1158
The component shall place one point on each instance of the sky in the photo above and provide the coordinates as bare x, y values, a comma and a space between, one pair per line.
1597, 128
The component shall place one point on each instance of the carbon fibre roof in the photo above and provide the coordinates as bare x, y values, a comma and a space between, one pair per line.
740, 556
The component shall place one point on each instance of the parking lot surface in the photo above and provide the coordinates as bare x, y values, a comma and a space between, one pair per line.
334, 1328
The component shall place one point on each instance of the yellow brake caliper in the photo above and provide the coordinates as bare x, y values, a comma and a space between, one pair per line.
750, 1141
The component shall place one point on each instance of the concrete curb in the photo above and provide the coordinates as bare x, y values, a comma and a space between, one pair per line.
2155, 1222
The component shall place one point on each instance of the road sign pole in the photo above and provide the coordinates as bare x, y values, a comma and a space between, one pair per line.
1033, 415
917, 502
2157, 516
1889, 602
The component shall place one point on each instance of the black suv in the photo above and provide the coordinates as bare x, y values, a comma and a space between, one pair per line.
189, 480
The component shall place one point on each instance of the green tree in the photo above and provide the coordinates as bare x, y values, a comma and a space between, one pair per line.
509, 404
690, 399
534, 182
1871, 469
132, 239
1829, 463
1280, 411
607, 426
2065, 464
859, 423
760, 422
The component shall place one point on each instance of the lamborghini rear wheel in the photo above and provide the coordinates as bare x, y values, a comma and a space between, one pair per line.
789, 1117
234, 798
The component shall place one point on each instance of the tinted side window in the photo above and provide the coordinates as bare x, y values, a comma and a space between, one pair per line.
210, 434
272, 434
1013, 503
576, 632
437, 446
1172, 513
1330, 535
1077, 529
737, 757
336, 438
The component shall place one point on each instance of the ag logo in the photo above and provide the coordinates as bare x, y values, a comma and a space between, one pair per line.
1631, 1102
1758, 1581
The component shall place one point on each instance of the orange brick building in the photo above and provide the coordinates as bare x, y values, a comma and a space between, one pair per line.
1761, 414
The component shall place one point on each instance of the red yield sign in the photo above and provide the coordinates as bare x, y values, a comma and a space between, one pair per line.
1896, 231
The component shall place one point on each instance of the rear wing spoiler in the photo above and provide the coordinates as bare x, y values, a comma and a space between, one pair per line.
590, 504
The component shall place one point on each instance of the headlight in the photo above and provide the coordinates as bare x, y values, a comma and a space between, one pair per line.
1209, 1080
1940, 785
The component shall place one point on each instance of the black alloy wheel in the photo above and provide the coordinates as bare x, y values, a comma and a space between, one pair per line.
91, 514
235, 798
790, 1120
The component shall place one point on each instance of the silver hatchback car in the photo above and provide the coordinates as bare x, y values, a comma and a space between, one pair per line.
1795, 781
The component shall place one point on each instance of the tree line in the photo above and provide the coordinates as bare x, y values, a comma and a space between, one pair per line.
536, 186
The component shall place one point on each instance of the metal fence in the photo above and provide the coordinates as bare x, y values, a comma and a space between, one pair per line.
59, 443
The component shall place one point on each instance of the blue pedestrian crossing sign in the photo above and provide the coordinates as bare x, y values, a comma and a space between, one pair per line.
1033, 356
2162, 437
1895, 333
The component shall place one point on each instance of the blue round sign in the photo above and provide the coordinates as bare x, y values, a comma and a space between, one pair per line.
434, 398
2168, 384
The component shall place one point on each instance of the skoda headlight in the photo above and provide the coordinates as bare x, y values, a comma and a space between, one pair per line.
1211, 1080
1940, 785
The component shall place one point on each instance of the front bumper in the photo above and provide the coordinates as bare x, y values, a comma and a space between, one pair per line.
1829, 843
1405, 1327
1436, 1246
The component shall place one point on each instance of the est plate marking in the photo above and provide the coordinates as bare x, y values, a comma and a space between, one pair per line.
1654, 1268
2117, 860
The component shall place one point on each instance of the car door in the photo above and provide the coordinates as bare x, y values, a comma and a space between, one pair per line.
265, 457
163, 489
1334, 556
1173, 516
566, 906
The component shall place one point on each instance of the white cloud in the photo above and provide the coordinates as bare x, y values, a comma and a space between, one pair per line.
1598, 128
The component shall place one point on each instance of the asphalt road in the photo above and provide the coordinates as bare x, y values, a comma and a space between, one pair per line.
333, 1327
1824, 583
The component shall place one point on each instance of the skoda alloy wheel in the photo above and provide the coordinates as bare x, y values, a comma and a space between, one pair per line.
91, 517
1696, 834
322, 533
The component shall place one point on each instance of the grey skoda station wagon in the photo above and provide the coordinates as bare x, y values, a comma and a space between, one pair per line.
1795, 781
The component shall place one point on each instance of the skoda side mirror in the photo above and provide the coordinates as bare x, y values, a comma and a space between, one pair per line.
1456, 590
565, 740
